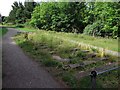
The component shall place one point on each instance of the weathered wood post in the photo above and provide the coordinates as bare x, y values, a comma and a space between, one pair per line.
93, 79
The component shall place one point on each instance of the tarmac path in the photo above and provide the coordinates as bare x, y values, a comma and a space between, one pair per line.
20, 71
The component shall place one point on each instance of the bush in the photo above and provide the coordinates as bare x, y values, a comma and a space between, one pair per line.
58, 17
93, 29
115, 32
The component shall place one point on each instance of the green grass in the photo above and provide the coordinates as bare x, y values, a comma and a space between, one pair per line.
43, 39
110, 44
41, 54
39, 45
3, 31
8, 25
27, 29
105, 80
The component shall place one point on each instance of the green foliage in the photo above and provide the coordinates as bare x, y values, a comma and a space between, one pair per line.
91, 18
29, 7
93, 29
106, 13
59, 16
80, 54
94, 50
20, 13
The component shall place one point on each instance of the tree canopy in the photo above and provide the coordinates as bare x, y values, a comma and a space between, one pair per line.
20, 13
92, 18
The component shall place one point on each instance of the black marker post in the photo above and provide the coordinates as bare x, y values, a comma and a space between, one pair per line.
93, 79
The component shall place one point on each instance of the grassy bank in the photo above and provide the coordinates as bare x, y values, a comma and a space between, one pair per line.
110, 44
42, 45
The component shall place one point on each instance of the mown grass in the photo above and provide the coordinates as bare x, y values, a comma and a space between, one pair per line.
39, 46
20, 27
27, 29
8, 25
3, 31
110, 44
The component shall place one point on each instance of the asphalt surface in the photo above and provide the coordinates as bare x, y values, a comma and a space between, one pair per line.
20, 71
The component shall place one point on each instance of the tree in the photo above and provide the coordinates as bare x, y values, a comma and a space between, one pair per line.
20, 13
67, 16
12, 15
29, 7
106, 13
0, 18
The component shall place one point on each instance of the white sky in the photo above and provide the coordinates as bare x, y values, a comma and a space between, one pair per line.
5, 6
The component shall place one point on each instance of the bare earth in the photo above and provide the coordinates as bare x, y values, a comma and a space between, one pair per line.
19, 71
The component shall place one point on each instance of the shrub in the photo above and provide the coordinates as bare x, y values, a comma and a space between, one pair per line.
93, 29
115, 32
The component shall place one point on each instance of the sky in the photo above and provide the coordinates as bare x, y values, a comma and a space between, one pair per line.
5, 6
